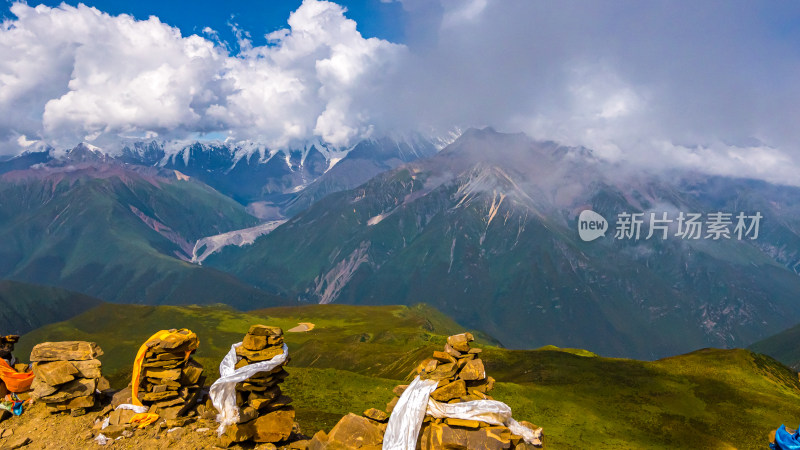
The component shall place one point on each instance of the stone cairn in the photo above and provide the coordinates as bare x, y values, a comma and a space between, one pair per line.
170, 382
462, 378
265, 414
67, 375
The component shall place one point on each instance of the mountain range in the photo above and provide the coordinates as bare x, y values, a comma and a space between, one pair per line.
262, 178
119, 233
123, 227
485, 229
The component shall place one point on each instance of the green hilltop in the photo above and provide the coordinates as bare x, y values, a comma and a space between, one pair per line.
355, 355
25, 306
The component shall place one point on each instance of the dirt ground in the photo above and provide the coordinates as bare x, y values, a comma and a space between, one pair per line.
61, 431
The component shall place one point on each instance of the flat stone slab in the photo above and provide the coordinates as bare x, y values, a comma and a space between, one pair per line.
65, 351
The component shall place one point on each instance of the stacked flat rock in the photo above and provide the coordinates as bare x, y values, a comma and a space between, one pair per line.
459, 371
67, 375
462, 378
264, 412
170, 382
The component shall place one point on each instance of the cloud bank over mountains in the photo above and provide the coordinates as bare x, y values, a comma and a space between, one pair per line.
710, 86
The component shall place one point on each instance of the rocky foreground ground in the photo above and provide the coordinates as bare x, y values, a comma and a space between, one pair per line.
38, 429
45, 423
357, 355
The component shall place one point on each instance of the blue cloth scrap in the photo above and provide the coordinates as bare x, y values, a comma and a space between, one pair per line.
12, 404
785, 440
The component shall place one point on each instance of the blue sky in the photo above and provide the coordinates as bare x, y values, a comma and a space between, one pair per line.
709, 85
257, 17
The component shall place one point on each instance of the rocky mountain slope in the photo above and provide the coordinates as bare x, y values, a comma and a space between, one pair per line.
272, 183
116, 232
486, 230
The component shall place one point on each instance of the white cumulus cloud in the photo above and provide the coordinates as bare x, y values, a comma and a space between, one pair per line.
71, 74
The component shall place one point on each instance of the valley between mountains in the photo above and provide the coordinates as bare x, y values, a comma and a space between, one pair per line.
483, 227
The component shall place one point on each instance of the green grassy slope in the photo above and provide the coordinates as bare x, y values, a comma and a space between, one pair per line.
383, 341
706, 399
116, 235
24, 306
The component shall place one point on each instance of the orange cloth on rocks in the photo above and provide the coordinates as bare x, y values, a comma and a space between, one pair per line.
142, 420
15, 381
137, 363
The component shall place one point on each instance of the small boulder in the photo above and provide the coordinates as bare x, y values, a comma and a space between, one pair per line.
56, 372
451, 351
473, 370
318, 442
254, 342
120, 416
17, 442
103, 384
264, 330
163, 374
177, 341
238, 432
449, 391
356, 431
42, 389
275, 426
444, 357
114, 431
440, 436
65, 351
427, 366
89, 368
460, 342
260, 355
376, 415
80, 387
